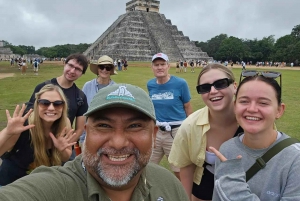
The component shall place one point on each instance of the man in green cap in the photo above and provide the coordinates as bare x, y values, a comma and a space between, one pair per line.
114, 165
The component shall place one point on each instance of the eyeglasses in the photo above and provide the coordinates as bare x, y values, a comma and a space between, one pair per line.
46, 103
218, 85
77, 69
107, 68
266, 74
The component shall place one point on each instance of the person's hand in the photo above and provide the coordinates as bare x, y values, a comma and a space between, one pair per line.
15, 123
64, 140
220, 156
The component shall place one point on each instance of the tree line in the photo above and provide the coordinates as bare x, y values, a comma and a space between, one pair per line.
284, 49
49, 52
220, 47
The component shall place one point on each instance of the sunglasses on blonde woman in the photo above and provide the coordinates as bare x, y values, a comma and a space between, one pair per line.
218, 85
44, 103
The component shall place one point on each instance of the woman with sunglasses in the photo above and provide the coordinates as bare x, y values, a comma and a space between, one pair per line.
257, 106
104, 68
43, 136
209, 126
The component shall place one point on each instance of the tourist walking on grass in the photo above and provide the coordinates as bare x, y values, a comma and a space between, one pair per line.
125, 65
23, 67
12, 61
209, 126
185, 65
181, 66
177, 67
258, 105
192, 64
119, 65
20, 63
243, 65
171, 98
43, 136
36, 65
103, 69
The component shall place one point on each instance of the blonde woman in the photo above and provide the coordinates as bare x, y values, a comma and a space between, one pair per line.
43, 136
209, 126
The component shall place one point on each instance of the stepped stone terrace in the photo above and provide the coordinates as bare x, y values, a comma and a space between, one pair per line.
142, 32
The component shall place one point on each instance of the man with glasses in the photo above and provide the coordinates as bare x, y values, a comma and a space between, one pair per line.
75, 66
103, 69
171, 98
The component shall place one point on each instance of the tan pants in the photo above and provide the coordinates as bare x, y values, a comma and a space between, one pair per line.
163, 144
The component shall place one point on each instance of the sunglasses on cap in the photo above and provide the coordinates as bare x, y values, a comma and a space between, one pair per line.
218, 85
107, 68
46, 103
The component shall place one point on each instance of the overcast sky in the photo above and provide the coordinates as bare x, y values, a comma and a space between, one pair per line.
45, 23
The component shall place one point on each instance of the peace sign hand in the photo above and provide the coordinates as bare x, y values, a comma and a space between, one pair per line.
15, 124
64, 140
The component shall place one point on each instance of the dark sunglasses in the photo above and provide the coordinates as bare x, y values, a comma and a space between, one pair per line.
266, 74
46, 103
218, 85
107, 68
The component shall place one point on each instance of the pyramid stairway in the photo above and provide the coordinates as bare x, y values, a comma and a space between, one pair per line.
138, 35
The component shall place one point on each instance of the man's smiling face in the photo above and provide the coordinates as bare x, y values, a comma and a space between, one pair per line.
118, 145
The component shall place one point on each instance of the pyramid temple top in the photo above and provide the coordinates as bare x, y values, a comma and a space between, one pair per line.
2, 43
143, 5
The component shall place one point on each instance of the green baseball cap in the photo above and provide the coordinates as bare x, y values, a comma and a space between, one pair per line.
122, 95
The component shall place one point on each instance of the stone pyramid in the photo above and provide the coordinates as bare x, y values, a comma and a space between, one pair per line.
142, 32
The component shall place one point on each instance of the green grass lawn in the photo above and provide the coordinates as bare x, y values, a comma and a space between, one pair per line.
18, 89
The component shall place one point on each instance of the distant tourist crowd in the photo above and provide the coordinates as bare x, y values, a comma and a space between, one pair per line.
230, 149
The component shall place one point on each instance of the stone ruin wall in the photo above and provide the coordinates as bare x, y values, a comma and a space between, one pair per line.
5, 50
161, 35
99, 43
142, 5
6, 53
130, 37
187, 48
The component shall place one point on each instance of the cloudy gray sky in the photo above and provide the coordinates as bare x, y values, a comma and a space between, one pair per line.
45, 23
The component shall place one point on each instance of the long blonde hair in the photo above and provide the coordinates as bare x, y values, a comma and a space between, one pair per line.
38, 139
